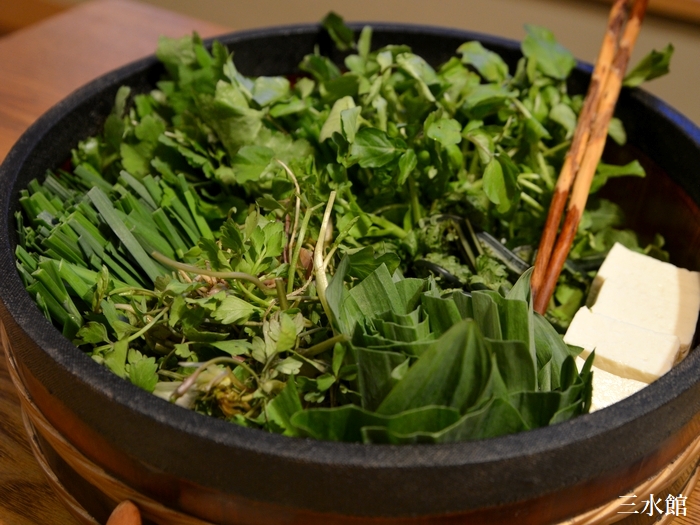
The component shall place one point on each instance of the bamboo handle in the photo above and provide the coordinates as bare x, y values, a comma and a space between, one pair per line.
616, 20
594, 151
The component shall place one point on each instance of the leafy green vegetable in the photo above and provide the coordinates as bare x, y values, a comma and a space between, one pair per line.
251, 248
655, 64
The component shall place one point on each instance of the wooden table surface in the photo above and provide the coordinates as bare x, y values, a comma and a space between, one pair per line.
39, 66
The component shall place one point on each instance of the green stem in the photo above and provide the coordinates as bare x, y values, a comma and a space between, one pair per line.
319, 266
551, 151
241, 276
340, 238
531, 202
544, 171
323, 346
250, 295
148, 326
281, 295
297, 248
389, 227
527, 184
297, 209
415, 205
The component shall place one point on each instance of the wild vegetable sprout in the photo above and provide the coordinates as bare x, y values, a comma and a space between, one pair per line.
294, 255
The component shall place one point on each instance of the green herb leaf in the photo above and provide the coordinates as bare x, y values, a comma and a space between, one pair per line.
445, 131
373, 148
340, 33
551, 58
489, 64
654, 65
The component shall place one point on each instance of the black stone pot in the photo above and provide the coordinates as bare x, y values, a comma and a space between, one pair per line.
228, 474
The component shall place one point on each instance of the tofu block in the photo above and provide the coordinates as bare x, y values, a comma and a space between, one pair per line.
648, 293
669, 313
609, 388
621, 348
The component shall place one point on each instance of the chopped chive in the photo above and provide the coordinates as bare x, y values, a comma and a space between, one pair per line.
49, 274
57, 188
109, 214
151, 185
91, 179
25, 274
80, 286
56, 311
26, 258
171, 200
169, 231
65, 248
139, 188
188, 231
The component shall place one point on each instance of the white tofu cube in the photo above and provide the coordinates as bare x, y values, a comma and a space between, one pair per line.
649, 293
621, 348
609, 388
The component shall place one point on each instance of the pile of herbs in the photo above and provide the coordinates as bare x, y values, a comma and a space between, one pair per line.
248, 247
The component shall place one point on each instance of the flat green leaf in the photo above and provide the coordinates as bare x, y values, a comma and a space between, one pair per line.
552, 59
499, 186
489, 64
364, 42
341, 34
346, 423
563, 115
442, 312
92, 333
289, 366
350, 122
445, 131
268, 90
347, 85
484, 143
142, 370
486, 99
514, 364
450, 373
550, 346
333, 122
654, 65
321, 68
233, 310
229, 115
233, 347
616, 131
363, 262
407, 164
608, 171
115, 359
496, 418
374, 368
250, 161
282, 408
373, 148
421, 71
